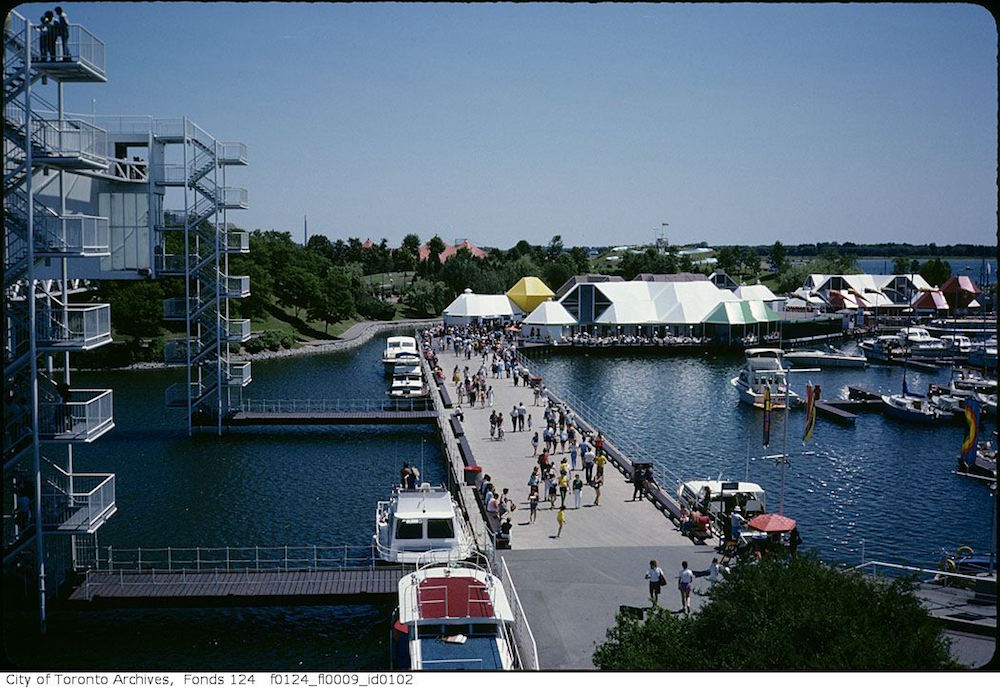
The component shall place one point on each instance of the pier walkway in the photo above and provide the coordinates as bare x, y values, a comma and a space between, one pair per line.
571, 587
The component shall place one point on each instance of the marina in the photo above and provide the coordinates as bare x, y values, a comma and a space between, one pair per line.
221, 480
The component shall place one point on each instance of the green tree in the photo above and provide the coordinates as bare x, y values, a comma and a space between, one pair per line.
427, 297
555, 247
935, 271
786, 614
728, 259
331, 299
778, 256
900, 266
136, 307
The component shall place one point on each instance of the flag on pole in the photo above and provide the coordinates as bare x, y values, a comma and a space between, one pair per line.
767, 415
971, 433
812, 396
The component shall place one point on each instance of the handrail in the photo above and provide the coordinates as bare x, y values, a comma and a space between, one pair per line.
521, 624
873, 564
235, 558
293, 406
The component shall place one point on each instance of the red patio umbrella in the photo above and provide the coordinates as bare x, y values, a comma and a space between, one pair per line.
772, 523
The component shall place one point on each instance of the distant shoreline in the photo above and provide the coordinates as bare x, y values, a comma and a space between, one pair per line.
356, 335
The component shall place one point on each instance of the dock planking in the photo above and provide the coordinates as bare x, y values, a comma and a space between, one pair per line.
214, 588
250, 419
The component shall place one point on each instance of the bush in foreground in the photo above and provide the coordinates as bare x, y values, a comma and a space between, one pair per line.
786, 614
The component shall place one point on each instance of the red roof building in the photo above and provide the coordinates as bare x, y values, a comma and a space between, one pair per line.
960, 288
449, 250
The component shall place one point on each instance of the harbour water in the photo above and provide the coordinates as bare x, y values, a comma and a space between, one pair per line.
888, 484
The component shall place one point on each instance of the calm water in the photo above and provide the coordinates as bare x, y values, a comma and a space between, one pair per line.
889, 484
973, 267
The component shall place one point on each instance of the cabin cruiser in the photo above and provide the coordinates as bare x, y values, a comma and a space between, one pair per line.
763, 369
400, 350
971, 381
718, 498
408, 382
824, 357
883, 349
421, 525
913, 409
984, 463
453, 618
956, 345
921, 343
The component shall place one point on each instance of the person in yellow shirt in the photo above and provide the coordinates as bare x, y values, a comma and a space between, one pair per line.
600, 460
561, 520
563, 488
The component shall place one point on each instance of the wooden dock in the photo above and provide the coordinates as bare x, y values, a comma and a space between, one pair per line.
384, 411
245, 419
237, 588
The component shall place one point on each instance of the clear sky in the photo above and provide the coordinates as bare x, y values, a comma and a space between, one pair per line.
500, 122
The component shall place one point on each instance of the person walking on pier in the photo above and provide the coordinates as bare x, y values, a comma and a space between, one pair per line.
656, 581
534, 445
563, 488
572, 455
561, 520
598, 482
533, 480
685, 579
520, 416
600, 459
588, 462
533, 504
638, 481
550, 487
577, 491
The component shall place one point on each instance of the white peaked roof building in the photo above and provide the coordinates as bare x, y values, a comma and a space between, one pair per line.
469, 308
883, 290
649, 303
547, 320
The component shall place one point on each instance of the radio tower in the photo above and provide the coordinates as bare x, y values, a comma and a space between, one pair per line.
661, 238
305, 229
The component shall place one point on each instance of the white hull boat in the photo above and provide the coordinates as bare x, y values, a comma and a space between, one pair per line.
421, 526
453, 618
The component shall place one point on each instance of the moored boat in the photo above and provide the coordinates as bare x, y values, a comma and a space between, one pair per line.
913, 409
920, 343
762, 370
718, 498
408, 382
824, 357
400, 349
883, 349
453, 618
422, 525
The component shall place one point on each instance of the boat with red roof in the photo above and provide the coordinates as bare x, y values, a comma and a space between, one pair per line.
453, 617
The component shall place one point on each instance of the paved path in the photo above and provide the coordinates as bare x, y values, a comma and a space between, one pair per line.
572, 587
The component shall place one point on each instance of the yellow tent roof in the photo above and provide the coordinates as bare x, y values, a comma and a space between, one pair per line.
528, 293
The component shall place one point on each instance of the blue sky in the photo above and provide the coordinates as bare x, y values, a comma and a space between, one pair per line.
497, 122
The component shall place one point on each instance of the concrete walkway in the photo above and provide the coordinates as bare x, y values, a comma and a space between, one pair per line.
571, 587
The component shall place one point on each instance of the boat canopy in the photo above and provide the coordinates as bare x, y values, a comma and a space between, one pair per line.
424, 503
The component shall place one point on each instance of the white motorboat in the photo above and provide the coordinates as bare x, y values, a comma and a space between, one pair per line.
763, 369
400, 350
423, 525
970, 381
913, 409
718, 498
956, 345
408, 382
823, 357
883, 349
920, 343
453, 618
